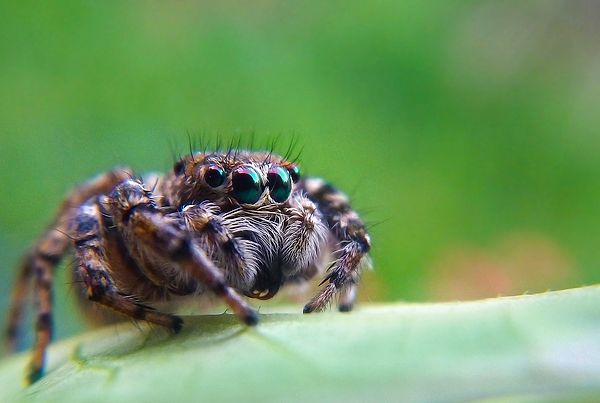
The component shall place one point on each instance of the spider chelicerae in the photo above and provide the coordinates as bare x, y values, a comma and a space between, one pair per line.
229, 223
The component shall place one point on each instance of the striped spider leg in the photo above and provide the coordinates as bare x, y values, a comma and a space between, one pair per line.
354, 244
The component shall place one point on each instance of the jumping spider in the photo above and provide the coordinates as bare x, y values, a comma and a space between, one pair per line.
227, 223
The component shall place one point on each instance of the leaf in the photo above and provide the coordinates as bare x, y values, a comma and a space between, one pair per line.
538, 347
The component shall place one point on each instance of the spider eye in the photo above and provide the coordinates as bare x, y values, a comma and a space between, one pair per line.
280, 184
294, 173
214, 176
179, 167
247, 186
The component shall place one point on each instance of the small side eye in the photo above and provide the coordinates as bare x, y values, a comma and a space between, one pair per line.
294, 171
179, 167
246, 184
280, 184
214, 176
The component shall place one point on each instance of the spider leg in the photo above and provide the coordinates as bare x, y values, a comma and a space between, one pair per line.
349, 230
347, 297
40, 264
20, 292
215, 235
93, 270
136, 213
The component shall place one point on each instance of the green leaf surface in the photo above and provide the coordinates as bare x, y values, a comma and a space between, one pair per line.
526, 348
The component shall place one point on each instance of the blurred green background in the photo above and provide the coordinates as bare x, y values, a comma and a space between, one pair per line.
467, 133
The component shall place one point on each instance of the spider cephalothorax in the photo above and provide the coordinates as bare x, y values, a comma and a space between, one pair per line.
227, 223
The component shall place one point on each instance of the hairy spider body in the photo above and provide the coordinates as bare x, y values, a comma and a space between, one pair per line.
227, 223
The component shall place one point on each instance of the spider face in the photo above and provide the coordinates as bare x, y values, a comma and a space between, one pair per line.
227, 223
241, 179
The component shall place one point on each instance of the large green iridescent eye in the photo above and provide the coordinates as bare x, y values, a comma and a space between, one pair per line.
247, 186
280, 184
294, 171
214, 175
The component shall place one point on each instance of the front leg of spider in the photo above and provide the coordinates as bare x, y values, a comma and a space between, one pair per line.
216, 237
93, 270
352, 256
136, 213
